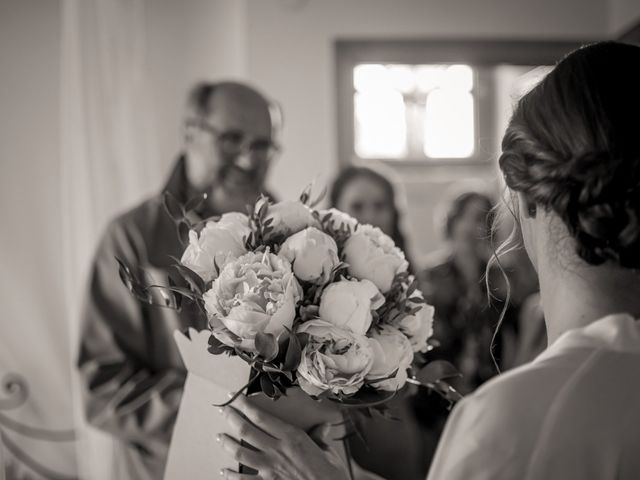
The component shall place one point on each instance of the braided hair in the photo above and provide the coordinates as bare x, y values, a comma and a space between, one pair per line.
573, 147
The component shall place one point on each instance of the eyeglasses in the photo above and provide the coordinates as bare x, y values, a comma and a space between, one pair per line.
234, 142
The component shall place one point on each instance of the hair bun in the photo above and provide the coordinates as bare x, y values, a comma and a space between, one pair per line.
603, 214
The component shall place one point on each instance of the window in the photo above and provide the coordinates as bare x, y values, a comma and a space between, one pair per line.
414, 111
424, 103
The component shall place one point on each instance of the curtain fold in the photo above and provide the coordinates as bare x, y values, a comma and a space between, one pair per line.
108, 156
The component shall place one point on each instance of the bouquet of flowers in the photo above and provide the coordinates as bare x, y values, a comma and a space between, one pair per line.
306, 297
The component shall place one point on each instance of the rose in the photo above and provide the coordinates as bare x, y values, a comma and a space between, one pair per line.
257, 292
217, 243
334, 359
348, 304
313, 254
372, 255
288, 217
392, 352
419, 326
339, 219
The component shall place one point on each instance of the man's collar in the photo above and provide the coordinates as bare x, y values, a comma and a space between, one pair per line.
177, 184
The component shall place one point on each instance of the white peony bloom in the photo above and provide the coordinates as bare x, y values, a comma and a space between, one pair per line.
372, 255
392, 352
257, 292
334, 359
218, 243
313, 254
349, 303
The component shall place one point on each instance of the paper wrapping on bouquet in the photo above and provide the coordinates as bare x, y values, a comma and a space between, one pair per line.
194, 452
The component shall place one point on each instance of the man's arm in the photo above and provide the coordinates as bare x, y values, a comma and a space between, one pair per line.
121, 394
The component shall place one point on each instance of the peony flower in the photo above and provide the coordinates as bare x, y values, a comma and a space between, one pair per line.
217, 243
348, 304
392, 352
372, 255
334, 359
313, 254
257, 292
339, 219
288, 217
419, 326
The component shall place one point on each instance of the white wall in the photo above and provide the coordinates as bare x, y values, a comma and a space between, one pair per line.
189, 41
623, 14
33, 333
290, 52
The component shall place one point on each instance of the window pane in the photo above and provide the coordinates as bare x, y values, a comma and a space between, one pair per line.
380, 126
448, 124
402, 77
430, 76
458, 77
371, 77
413, 111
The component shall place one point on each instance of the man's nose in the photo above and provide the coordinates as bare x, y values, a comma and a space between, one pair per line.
243, 161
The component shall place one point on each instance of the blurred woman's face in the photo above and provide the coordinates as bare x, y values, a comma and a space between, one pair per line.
470, 228
366, 201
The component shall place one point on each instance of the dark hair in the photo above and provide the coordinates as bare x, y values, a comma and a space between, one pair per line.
459, 205
573, 147
348, 175
199, 96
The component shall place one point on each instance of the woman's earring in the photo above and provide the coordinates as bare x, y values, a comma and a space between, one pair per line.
531, 210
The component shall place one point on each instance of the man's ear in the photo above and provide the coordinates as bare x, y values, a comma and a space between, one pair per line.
527, 207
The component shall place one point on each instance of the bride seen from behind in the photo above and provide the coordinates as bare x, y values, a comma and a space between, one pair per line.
571, 160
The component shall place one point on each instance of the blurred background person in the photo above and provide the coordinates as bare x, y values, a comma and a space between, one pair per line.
452, 281
131, 372
475, 327
370, 197
390, 447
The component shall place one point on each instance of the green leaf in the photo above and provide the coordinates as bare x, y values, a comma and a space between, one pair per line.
195, 202
185, 292
183, 232
195, 281
412, 288
435, 371
267, 346
216, 347
267, 386
294, 354
262, 213
414, 310
172, 206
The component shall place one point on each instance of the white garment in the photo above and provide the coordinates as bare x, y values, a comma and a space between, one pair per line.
572, 413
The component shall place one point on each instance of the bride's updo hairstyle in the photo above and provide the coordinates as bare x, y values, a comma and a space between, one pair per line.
573, 147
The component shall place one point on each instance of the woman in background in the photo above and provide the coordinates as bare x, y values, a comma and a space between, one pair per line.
370, 198
392, 448
453, 283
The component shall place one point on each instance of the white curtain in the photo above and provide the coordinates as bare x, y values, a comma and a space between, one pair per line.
108, 154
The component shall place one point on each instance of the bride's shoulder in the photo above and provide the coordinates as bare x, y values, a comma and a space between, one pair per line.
491, 430
513, 397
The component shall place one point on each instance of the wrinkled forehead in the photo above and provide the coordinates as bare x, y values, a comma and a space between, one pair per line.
240, 109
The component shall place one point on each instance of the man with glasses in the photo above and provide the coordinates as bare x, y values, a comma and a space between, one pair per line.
131, 371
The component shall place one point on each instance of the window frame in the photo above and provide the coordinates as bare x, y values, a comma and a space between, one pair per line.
481, 55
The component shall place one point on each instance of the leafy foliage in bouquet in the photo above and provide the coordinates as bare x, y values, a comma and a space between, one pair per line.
305, 297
